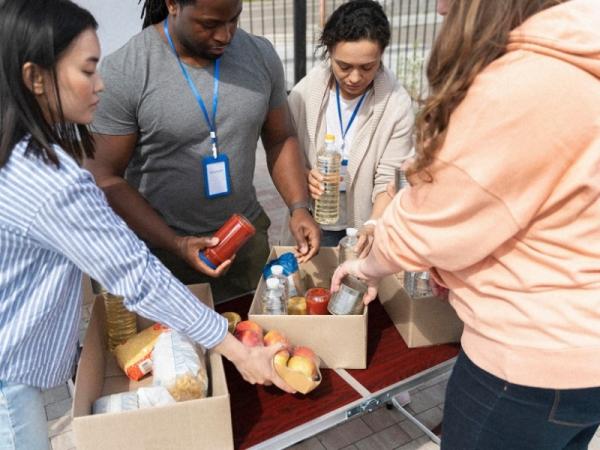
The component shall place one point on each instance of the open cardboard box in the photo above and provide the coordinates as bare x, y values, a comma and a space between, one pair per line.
340, 341
197, 424
421, 321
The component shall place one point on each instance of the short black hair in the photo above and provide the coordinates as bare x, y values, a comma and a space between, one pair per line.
354, 21
38, 31
155, 11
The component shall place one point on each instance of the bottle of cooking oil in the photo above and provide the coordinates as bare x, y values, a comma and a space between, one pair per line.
120, 323
327, 206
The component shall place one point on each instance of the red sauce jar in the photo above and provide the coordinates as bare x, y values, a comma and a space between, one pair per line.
232, 235
317, 300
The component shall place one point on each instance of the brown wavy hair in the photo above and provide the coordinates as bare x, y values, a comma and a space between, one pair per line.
475, 33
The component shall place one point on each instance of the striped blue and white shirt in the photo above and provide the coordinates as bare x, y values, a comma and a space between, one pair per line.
55, 224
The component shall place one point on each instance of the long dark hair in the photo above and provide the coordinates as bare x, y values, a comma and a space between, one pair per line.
38, 31
354, 21
155, 11
474, 34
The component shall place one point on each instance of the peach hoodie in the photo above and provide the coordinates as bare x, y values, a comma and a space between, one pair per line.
512, 219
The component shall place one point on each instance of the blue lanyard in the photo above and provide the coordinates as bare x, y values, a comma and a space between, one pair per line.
352, 117
212, 124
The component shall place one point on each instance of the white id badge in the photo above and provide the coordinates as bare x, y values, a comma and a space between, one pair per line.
217, 181
343, 174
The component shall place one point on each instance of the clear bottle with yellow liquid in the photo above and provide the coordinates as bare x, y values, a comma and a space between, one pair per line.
327, 206
120, 322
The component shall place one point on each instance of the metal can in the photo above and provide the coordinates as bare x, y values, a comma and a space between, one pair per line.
348, 299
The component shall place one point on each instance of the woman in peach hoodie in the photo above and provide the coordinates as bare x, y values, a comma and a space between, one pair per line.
504, 209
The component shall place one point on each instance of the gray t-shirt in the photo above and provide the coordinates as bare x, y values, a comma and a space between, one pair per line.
146, 93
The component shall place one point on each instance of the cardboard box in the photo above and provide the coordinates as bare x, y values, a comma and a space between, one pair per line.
423, 321
340, 341
198, 424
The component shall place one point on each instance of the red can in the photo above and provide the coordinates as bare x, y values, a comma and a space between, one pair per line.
317, 300
232, 236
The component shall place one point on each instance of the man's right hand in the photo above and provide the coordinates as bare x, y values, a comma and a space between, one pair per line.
188, 248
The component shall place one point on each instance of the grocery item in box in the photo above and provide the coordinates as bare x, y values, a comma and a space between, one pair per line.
134, 356
180, 367
291, 270
128, 401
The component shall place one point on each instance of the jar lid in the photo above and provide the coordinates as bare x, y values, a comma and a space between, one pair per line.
276, 269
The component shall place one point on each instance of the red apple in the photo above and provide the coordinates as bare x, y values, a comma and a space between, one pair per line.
249, 338
306, 352
249, 325
274, 337
281, 358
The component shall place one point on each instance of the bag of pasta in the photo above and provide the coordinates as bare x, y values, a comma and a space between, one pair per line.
180, 367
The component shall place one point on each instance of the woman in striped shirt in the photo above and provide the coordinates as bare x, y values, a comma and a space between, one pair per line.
55, 222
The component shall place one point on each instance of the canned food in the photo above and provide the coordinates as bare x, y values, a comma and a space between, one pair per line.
348, 299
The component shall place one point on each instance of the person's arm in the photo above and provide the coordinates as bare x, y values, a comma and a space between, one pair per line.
77, 223
111, 158
287, 168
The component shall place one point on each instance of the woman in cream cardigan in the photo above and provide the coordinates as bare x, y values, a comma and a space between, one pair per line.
372, 121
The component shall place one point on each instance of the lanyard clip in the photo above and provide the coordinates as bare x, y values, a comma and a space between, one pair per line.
213, 139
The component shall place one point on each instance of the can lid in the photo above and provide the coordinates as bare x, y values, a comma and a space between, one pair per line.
206, 261
276, 269
272, 283
351, 232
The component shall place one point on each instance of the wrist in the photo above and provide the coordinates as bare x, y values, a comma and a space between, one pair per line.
299, 205
372, 222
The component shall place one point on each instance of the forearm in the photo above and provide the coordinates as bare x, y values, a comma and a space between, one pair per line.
382, 200
288, 171
128, 203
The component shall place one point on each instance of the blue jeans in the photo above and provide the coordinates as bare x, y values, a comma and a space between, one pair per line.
485, 412
22, 418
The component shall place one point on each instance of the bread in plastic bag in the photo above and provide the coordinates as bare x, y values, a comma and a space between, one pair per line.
128, 401
180, 367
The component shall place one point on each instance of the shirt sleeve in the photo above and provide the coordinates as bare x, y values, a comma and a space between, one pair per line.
116, 112
275, 67
78, 223
400, 145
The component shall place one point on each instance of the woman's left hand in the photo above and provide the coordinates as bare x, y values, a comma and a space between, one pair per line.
352, 267
366, 235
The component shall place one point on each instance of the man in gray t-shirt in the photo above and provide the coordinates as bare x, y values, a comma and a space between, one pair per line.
152, 136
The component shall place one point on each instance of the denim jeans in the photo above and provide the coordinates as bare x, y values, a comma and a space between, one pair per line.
484, 412
22, 418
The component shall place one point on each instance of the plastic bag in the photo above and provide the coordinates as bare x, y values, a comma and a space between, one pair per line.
128, 401
179, 367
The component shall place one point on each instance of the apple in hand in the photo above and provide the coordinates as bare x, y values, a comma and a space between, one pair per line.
274, 337
249, 333
281, 358
303, 360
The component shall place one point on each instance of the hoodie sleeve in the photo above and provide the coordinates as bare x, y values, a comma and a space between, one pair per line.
505, 152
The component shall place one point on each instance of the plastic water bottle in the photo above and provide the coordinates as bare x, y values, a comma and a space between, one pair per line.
273, 299
327, 206
347, 245
277, 272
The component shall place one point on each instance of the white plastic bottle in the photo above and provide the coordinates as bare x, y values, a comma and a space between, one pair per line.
273, 301
277, 272
327, 206
347, 245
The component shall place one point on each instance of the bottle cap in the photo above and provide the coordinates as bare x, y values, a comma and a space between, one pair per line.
351, 232
276, 269
329, 138
272, 283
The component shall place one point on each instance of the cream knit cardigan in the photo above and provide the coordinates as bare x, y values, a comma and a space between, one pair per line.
382, 141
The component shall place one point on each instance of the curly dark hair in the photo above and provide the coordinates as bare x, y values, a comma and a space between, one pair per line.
354, 21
